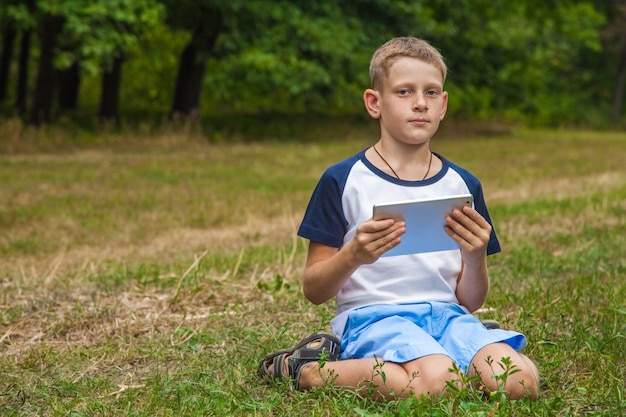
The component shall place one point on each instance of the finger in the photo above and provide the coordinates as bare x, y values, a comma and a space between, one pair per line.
376, 241
470, 214
389, 241
466, 236
471, 220
458, 233
374, 226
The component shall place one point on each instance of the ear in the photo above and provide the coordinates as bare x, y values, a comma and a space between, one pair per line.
371, 99
444, 107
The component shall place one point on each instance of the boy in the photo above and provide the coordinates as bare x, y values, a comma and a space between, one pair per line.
404, 321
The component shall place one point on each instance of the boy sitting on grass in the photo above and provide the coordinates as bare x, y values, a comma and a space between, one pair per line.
403, 322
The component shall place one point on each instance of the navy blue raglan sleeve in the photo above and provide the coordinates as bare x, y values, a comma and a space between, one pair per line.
479, 204
324, 220
476, 189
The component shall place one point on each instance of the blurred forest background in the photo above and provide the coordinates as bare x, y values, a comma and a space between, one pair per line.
556, 63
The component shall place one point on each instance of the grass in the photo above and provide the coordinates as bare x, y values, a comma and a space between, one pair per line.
147, 278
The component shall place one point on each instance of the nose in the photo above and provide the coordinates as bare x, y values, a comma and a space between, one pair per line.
420, 103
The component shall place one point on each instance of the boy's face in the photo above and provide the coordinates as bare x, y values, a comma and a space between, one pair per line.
412, 102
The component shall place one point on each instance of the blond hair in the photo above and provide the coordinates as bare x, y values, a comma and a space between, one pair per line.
411, 47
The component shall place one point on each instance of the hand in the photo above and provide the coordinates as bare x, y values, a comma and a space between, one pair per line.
328, 268
471, 231
375, 237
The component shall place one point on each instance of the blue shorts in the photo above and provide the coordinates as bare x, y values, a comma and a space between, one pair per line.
402, 333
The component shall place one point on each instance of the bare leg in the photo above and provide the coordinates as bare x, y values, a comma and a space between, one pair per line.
522, 383
423, 376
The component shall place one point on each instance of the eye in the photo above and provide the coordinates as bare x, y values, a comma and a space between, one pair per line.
432, 93
404, 92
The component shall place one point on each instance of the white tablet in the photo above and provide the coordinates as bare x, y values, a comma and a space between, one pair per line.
424, 223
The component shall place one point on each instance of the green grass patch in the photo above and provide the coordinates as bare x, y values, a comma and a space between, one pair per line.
148, 277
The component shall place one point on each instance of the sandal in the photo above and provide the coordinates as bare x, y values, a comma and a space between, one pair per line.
491, 324
310, 349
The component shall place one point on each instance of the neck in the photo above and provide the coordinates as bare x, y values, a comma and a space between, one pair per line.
404, 163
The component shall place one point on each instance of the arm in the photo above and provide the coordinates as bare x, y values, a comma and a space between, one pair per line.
471, 231
327, 268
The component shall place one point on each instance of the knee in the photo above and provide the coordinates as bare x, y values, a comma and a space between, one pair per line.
434, 381
438, 381
522, 384
519, 381
401, 381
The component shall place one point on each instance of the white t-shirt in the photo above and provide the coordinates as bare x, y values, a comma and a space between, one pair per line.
344, 198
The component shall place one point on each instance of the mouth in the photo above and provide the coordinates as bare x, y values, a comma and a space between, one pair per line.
419, 122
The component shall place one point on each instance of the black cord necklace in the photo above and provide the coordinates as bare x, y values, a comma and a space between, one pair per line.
430, 161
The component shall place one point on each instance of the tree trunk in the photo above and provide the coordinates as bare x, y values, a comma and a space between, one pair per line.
8, 39
110, 94
68, 87
618, 98
22, 73
187, 92
188, 84
41, 113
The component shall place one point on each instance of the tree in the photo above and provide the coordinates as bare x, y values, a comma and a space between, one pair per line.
8, 41
614, 36
511, 58
515, 60
68, 86
16, 18
77, 35
620, 79
110, 96
22, 77
264, 55
309, 56
96, 35
204, 20
48, 31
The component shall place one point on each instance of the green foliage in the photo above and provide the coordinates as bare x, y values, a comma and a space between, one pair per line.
96, 32
151, 71
515, 60
519, 59
92, 31
17, 14
303, 61
532, 62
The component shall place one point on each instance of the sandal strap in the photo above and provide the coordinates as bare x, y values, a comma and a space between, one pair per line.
295, 366
305, 351
328, 345
328, 341
270, 359
279, 363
